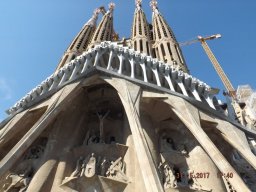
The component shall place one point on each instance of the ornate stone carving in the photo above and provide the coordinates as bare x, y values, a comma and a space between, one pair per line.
101, 118
92, 165
18, 182
169, 177
104, 166
90, 168
76, 173
116, 170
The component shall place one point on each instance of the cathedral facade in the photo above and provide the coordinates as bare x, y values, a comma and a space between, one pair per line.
124, 116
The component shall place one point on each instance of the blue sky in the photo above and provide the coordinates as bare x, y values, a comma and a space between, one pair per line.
34, 34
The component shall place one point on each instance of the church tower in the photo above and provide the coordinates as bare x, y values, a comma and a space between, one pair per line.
165, 45
104, 31
118, 119
81, 41
140, 31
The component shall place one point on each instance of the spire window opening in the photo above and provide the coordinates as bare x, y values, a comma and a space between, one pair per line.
98, 31
158, 30
141, 46
83, 40
73, 44
170, 51
153, 53
86, 42
178, 53
63, 61
163, 51
135, 45
145, 25
134, 29
163, 27
73, 57
140, 30
134, 25
147, 48
171, 33
157, 53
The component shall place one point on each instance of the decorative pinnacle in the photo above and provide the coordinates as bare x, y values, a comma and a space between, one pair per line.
153, 4
96, 13
138, 3
94, 18
111, 6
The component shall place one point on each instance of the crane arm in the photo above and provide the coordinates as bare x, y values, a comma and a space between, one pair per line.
218, 69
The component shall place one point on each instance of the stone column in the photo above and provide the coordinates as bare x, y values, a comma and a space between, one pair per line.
130, 97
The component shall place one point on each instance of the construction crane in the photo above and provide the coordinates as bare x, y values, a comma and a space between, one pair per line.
229, 87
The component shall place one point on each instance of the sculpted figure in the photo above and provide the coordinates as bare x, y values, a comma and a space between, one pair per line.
183, 150
35, 152
170, 180
93, 139
116, 170
104, 164
77, 172
18, 181
101, 118
78, 169
90, 168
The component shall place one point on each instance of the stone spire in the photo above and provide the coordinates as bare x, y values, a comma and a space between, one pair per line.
166, 47
81, 41
140, 31
104, 31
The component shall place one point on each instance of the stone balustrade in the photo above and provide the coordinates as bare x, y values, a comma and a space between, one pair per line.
125, 62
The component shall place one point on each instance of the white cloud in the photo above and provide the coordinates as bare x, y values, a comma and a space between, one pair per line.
5, 90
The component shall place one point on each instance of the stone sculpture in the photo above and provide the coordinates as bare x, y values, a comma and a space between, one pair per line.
116, 170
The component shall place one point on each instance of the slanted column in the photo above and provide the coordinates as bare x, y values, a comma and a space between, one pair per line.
130, 96
110, 60
189, 115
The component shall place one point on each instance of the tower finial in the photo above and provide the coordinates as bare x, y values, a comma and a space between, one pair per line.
138, 3
94, 18
153, 5
111, 6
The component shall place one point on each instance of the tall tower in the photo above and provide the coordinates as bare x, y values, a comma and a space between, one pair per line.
81, 41
104, 31
115, 120
140, 31
165, 45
